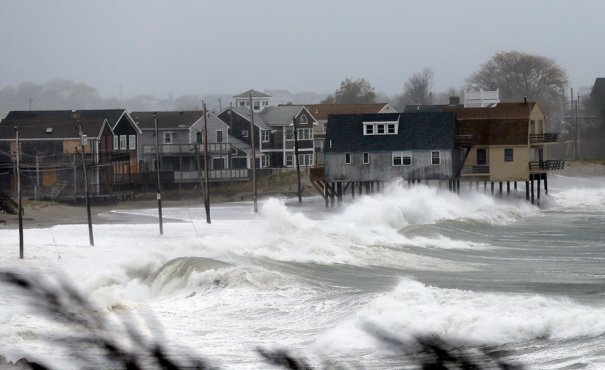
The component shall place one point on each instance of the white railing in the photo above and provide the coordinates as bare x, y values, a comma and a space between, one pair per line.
228, 174
187, 148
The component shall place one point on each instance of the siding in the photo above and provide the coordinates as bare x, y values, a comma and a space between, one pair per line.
380, 167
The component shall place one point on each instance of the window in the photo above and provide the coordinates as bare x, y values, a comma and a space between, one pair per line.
305, 159
132, 142
303, 119
116, 142
380, 128
508, 154
167, 138
481, 156
266, 161
304, 134
406, 159
265, 135
245, 133
366, 158
265, 103
123, 142
435, 158
289, 160
289, 133
219, 136
347, 158
256, 105
397, 159
242, 103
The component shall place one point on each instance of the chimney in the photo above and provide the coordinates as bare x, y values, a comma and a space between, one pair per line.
454, 100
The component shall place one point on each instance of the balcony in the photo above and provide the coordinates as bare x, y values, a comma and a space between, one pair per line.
544, 138
213, 175
546, 165
187, 149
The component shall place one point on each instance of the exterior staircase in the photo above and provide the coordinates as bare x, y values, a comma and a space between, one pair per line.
56, 189
7, 205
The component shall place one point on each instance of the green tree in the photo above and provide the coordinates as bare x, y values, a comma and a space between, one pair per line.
352, 92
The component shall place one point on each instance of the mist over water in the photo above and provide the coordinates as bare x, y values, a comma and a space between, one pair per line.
477, 268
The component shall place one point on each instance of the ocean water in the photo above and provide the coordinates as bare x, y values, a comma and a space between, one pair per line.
487, 271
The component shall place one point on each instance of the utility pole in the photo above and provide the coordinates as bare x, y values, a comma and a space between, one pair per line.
577, 130
296, 158
20, 209
253, 154
82, 143
206, 172
157, 168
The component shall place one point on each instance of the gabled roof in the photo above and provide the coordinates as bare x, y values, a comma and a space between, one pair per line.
255, 94
322, 111
496, 131
173, 120
245, 113
282, 114
500, 110
598, 89
53, 125
416, 131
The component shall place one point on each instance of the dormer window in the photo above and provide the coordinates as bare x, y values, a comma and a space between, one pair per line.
380, 128
49, 130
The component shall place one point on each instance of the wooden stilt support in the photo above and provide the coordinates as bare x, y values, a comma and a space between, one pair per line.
492, 186
500, 187
546, 183
458, 186
508, 187
484, 186
526, 190
353, 190
515, 185
538, 188
339, 192
326, 199
532, 190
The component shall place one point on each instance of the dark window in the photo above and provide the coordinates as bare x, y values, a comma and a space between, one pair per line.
380, 129
397, 159
347, 158
435, 158
219, 136
366, 158
407, 160
481, 156
508, 154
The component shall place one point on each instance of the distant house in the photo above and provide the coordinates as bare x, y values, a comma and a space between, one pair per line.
274, 134
179, 132
260, 100
49, 144
369, 148
509, 142
321, 113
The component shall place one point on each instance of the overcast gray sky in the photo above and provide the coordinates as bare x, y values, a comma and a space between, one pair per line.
225, 46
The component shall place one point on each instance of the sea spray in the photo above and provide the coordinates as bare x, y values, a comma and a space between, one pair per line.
413, 308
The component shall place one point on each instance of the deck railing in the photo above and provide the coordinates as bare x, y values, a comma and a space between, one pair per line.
476, 169
187, 148
549, 137
546, 165
463, 140
213, 175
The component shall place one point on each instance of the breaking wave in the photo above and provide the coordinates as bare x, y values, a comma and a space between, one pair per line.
413, 308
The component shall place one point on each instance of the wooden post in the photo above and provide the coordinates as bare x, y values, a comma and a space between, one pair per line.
253, 155
458, 186
326, 199
353, 189
339, 192
508, 187
19, 207
515, 185
90, 234
546, 183
157, 169
526, 190
297, 161
206, 165
492, 186
538, 188
532, 191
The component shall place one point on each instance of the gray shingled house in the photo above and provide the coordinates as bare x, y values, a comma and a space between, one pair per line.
376, 148
179, 131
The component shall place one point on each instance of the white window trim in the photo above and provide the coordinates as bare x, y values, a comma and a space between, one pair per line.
396, 155
266, 136
167, 134
245, 133
123, 142
406, 155
439, 157
132, 142
116, 142
373, 126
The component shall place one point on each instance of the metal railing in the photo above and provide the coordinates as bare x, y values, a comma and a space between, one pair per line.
549, 137
546, 165
187, 148
476, 169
